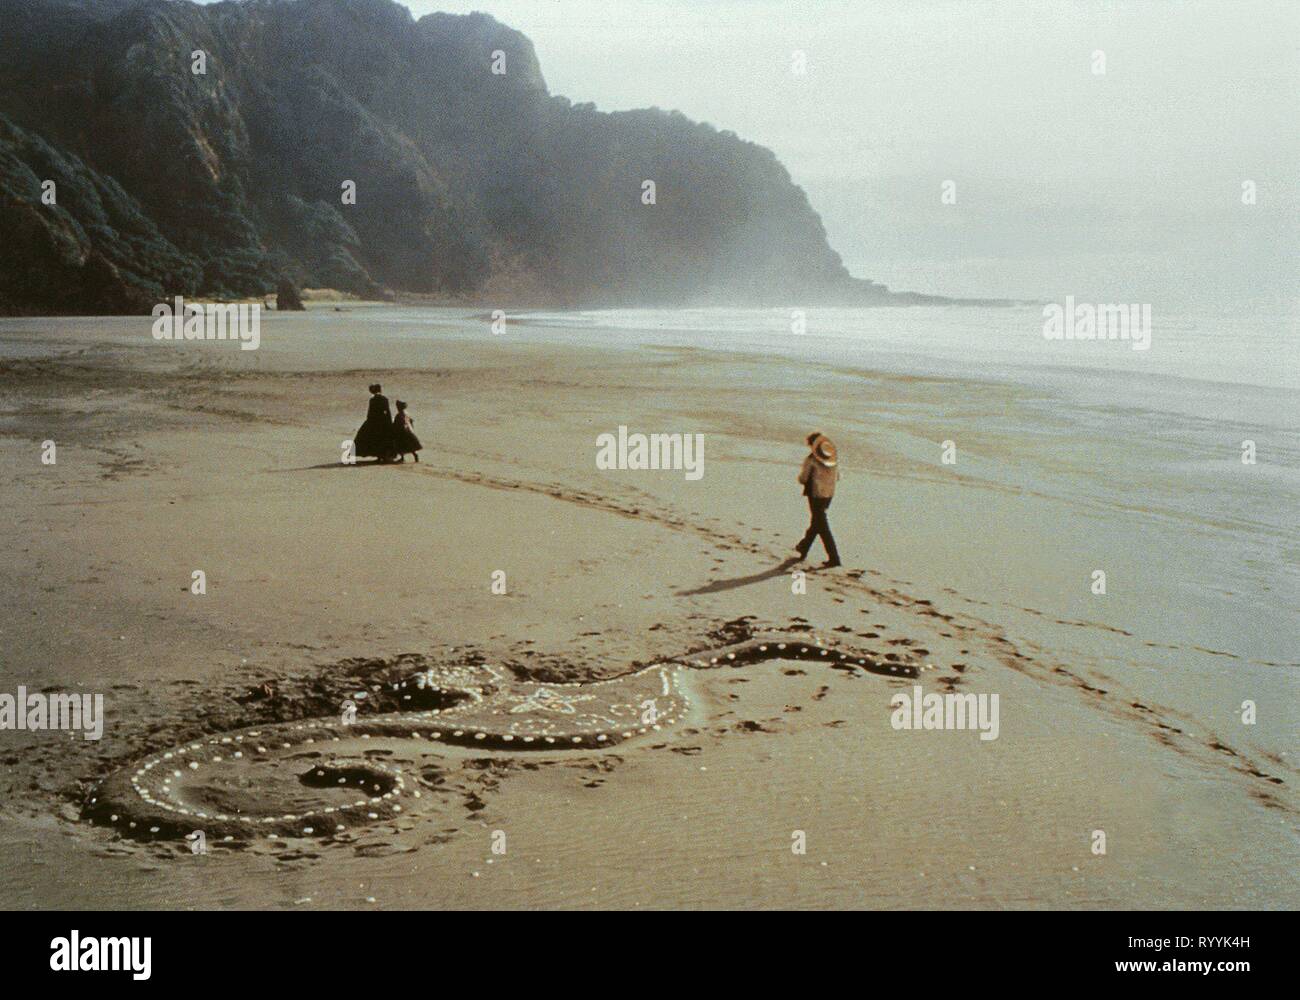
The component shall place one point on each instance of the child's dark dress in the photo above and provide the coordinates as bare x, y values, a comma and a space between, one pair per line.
404, 440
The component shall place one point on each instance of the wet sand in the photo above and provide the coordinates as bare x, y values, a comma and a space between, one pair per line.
173, 459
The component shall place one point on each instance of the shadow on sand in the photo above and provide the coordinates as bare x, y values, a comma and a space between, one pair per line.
740, 581
362, 463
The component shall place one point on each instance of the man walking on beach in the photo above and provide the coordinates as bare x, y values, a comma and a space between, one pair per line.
818, 475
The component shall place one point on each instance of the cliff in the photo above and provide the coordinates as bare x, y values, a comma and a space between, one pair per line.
469, 184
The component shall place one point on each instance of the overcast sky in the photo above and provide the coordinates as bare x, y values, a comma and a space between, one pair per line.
1066, 181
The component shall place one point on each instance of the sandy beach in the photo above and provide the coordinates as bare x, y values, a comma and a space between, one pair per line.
1119, 714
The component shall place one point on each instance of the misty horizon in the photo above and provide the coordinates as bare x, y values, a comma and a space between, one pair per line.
1119, 187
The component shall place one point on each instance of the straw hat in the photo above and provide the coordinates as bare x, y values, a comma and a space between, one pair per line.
823, 449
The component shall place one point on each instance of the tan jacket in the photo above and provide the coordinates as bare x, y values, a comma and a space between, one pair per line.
818, 481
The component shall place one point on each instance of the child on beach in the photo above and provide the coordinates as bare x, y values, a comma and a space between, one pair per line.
404, 439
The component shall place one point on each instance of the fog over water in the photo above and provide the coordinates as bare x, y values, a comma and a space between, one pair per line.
1122, 186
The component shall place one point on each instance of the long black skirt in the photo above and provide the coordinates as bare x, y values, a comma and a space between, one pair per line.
374, 439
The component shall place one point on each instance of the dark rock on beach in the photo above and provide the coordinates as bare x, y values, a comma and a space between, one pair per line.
287, 297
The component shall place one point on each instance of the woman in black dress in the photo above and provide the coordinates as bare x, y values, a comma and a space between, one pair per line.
375, 437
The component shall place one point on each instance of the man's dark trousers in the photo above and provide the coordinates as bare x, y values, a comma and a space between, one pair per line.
819, 527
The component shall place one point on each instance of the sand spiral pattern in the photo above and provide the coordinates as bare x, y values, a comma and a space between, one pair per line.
325, 777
